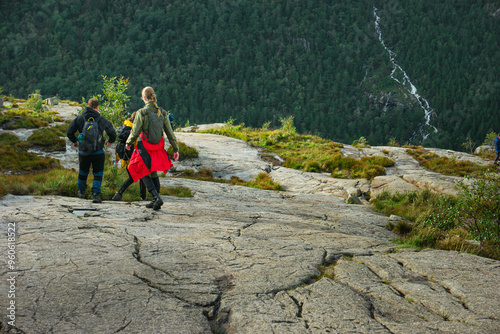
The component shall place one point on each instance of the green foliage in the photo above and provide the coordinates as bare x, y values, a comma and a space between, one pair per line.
263, 180
469, 145
185, 152
33, 98
113, 101
49, 138
15, 158
260, 61
447, 222
360, 143
393, 142
287, 125
479, 207
446, 165
23, 118
307, 152
490, 139
63, 182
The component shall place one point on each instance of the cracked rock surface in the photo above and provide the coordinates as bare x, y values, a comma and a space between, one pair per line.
235, 260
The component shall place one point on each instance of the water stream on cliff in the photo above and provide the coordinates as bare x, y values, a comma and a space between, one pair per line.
405, 81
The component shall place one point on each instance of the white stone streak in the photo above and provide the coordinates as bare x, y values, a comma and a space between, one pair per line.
406, 82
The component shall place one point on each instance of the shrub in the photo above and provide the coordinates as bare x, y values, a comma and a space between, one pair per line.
312, 166
185, 152
393, 142
479, 207
113, 101
447, 222
263, 181
287, 125
446, 165
49, 138
360, 143
490, 139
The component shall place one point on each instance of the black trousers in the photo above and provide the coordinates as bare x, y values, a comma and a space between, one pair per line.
96, 161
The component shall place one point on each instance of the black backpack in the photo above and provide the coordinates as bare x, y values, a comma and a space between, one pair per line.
123, 133
90, 135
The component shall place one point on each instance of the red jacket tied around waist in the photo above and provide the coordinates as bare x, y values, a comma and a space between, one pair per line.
148, 158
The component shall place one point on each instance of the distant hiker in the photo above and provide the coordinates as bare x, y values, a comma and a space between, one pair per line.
121, 153
149, 155
91, 125
497, 148
171, 119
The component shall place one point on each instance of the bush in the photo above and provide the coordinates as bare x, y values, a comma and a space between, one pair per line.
479, 208
185, 152
447, 222
113, 101
49, 138
312, 166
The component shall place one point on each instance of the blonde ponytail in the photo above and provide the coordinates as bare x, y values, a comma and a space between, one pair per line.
150, 95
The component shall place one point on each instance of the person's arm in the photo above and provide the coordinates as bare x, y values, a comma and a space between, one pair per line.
171, 137
110, 131
73, 127
136, 130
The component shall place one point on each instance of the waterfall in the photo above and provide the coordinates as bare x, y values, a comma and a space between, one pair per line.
405, 81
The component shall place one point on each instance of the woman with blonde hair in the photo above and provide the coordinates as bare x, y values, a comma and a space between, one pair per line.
149, 155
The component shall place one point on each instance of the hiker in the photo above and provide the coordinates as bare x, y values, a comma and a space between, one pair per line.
90, 143
170, 119
497, 148
121, 153
149, 155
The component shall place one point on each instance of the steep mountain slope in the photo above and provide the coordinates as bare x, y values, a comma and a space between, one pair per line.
256, 61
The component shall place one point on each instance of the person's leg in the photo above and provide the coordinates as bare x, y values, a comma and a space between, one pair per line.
125, 185
83, 172
496, 157
142, 188
98, 172
157, 202
156, 182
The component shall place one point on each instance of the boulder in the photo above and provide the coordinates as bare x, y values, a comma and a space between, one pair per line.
484, 149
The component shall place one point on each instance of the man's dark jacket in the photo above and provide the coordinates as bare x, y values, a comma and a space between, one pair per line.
102, 123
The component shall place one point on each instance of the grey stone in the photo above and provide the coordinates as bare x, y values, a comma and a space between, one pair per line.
484, 149
234, 259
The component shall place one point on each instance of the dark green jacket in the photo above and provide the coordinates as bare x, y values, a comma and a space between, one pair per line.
141, 124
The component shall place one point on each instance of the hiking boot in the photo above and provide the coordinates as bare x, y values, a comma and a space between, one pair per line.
96, 198
117, 197
157, 202
151, 204
81, 194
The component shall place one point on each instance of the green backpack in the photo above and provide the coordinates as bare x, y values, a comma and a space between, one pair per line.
155, 124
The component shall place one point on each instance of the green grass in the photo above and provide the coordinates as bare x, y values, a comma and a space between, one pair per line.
185, 152
63, 182
15, 158
306, 152
446, 165
263, 180
23, 118
48, 138
436, 221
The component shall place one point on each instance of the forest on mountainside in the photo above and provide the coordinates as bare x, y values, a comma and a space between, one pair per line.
257, 61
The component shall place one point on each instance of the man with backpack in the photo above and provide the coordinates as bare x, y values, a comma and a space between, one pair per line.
90, 142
